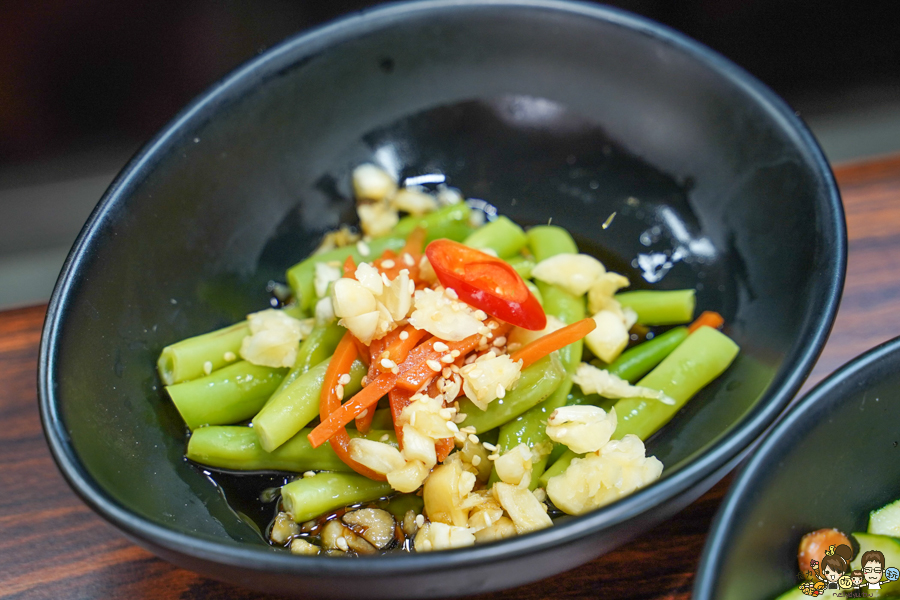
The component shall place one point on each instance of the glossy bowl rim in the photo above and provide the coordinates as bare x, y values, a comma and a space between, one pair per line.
818, 401
722, 451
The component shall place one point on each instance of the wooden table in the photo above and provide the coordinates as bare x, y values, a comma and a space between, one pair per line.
53, 546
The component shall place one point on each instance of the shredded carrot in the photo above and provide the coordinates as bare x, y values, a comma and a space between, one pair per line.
350, 268
399, 399
415, 242
708, 318
341, 361
443, 448
541, 347
397, 349
361, 349
415, 370
366, 399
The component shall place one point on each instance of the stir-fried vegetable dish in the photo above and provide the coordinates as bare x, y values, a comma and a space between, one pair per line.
440, 380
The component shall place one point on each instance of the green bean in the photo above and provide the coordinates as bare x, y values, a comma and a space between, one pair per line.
186, 359
237, 448
702, 357
636, 362
535, 384
451, 222
383, 419
559, 467
549, 240
293, 408
530, 428
229, 395
500, 235
302, 275
568, 308
400, 504
522, 265
660, 307
318, 345
309, 497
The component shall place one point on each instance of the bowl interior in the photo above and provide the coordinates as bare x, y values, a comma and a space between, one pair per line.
569, 115
835, 458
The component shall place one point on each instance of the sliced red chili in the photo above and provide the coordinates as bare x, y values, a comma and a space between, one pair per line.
486, 282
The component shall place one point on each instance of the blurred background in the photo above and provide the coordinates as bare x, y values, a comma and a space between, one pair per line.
84, 83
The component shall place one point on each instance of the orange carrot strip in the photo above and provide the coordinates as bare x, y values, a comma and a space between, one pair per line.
443, 448
708, 318
415, 242
350, 268
541, 347
341, 361
361, 349
399, 399
338, 419
399, 348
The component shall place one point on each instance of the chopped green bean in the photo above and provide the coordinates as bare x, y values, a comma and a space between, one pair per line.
568, 308
293, 408
549, 240
535, 291
451, 222
702, 357
500, 235
522, 265
302, 275
318, 345
186, 360
383, 419
559, 466
229, 395
400, 504
636, 362
530, 428
535, 384
660, 307
237, 448
309, 497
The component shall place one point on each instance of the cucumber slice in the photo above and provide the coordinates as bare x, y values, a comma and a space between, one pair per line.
886, 520
890, 547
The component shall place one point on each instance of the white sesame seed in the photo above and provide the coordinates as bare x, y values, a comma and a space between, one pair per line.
408, 259
434, 365
501, 391
404, 335
476, 460
384, 438
446, 373
493, 325
388, 264
229, 356
454, 353
341, 543
454, 368
473, 438
452, 427
420, 520
363, 248
493, 456
365, 381
489, 447
395, 370
480, 315
500, 341
447, 359
470, 359
339, 391
468, 429
452, 293
309, 474
207, 367
344, 379
363, 413
440, 347
388, 363
460, 417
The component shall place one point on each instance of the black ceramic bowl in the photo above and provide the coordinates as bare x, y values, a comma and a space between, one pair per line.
546, 109
831, 460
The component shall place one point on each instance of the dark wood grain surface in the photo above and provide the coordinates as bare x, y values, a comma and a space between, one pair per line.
52, 546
